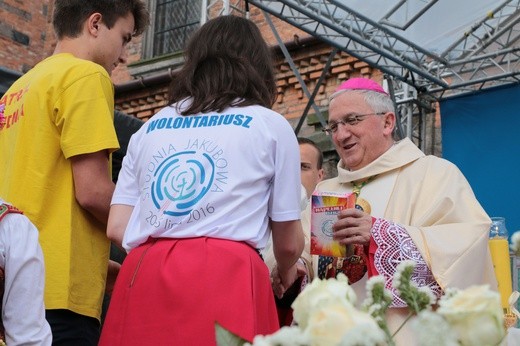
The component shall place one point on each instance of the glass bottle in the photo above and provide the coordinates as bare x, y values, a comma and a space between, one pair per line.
499, 247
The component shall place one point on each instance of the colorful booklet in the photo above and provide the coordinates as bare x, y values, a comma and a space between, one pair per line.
324, 213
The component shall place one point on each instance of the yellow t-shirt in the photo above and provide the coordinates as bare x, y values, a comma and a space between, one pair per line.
63, 107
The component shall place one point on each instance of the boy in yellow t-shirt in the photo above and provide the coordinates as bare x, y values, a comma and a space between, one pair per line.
56, 145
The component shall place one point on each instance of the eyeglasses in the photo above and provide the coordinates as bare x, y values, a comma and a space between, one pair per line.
351, 120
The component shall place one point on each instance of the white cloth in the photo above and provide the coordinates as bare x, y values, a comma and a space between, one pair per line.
513, 337
216, 175
23, 311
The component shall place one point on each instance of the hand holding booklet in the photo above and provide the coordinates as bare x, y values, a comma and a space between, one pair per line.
325, 207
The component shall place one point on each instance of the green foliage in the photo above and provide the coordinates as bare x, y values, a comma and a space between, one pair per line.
226, 338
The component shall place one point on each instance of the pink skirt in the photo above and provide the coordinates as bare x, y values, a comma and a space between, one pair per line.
173, 291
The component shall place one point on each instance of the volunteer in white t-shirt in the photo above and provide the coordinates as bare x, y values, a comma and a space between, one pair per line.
203, 183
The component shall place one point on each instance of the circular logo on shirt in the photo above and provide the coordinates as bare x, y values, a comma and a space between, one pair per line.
180, 181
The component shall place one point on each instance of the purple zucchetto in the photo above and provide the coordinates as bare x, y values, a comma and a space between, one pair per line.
361, 84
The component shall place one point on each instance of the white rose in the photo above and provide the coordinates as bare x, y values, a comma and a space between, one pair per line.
515, 243
432, 329
286, 336
330, 323
475, 314
318, 293
260, 340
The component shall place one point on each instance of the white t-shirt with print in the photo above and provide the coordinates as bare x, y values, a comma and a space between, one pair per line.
220, 175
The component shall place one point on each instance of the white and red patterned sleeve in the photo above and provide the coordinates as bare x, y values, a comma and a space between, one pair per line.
391, 245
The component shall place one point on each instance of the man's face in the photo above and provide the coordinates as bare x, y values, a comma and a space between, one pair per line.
310, 174
359, 144
111, 43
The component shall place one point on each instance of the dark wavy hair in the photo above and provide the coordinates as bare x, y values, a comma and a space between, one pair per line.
69, 15
226, 59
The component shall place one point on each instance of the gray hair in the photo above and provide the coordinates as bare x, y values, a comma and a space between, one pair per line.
379, 102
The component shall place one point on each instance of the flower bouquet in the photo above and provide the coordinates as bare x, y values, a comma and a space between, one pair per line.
326, 313
515, 243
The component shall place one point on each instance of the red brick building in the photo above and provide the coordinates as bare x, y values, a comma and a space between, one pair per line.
26, 37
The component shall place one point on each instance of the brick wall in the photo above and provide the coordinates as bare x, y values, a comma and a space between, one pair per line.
23, 33
26, 37
121, 74
143, 103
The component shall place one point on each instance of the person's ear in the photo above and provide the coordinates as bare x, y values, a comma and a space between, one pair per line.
389, 122
93, 23
321, 174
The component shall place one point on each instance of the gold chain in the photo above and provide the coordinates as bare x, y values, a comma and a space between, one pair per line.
356, 188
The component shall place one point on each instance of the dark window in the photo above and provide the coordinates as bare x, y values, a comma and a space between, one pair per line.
175, 20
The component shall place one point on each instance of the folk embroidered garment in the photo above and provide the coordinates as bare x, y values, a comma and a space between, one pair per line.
21, 258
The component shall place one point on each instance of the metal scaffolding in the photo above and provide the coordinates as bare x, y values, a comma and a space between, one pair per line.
214, 8
486, 54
